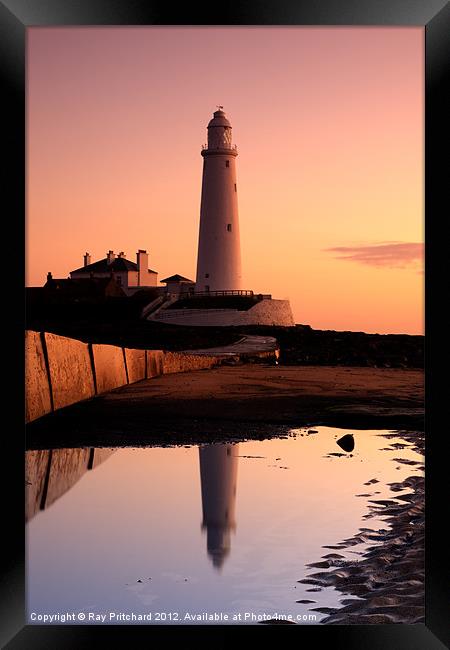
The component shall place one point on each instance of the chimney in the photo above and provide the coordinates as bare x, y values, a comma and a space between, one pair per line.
121, 254
110, 257
142, 264
49, 276
87, 259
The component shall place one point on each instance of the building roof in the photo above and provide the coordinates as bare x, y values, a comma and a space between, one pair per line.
177, 278
219, 119
82, 288
117, 265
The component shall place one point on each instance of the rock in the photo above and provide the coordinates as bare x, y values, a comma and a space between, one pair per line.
305, 601
347, 442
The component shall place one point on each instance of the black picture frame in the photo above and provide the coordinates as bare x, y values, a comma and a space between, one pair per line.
15, 17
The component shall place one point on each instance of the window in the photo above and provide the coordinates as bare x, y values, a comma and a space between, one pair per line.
206, 275
235, 187
229, 227
206, 287
119, 280
227, 163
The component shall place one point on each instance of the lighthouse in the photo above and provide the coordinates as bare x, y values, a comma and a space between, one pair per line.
219, 248
219, 299
218, 473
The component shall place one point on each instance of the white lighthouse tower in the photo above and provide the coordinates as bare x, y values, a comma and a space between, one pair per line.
219, 253
219, 248
218, 473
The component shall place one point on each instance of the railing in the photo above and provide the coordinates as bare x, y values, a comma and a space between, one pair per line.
151, 306
232, 147
166, 314
230, 292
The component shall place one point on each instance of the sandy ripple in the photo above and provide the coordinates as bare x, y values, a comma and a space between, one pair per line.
389, 579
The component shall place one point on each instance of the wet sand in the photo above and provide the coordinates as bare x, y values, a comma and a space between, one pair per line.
235, 403
387, 584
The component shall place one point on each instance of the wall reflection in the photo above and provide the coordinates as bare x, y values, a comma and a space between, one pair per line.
218, 474
51, 473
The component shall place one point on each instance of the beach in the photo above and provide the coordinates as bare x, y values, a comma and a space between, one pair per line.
258, 401
235, 403
386, 585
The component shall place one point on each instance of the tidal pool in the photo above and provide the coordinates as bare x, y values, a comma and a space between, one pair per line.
219, 533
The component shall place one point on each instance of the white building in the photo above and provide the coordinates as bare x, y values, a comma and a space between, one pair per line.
130, 276
178, 284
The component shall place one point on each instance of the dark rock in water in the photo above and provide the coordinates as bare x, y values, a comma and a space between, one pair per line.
320, 565
324, 610
305, 601
347, 442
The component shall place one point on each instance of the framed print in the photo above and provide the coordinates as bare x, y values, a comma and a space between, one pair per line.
232, 380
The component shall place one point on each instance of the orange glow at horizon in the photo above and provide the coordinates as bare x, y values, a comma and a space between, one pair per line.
329, 128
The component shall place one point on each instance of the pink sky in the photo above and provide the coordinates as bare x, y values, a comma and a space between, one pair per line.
329, 128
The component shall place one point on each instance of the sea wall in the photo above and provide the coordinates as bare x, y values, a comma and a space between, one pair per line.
179, 362
70, 371
135, 364
37, 388
109, 366
51, 473
154, 363
61, 371
265, 312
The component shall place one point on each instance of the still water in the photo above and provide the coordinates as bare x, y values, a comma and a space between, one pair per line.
222, 529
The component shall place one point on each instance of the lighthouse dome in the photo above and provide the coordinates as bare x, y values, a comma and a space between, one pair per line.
219, 119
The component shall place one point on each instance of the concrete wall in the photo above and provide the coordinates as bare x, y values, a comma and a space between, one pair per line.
37, 387
266, 312
155, 363
179, 362
135, 364
109, 363
66, 468
50, 474
61, 371
36, 467
271, 312
70, 370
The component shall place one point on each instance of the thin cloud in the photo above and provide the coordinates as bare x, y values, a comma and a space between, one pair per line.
385, 254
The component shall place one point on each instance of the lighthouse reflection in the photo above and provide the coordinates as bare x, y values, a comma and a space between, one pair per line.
50, 474
218, 474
